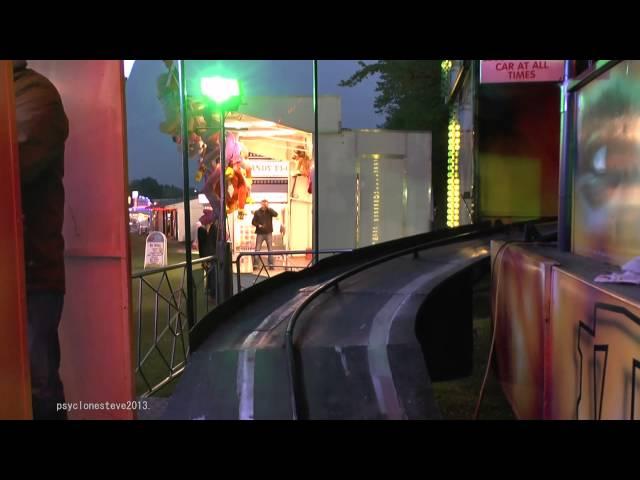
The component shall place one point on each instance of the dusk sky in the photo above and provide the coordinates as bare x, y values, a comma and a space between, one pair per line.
153, 154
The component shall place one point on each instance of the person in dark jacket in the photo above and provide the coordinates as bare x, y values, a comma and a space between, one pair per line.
42, 128
207, 236
263, 221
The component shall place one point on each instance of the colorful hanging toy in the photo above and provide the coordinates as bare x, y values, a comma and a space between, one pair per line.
203, 128
304, 167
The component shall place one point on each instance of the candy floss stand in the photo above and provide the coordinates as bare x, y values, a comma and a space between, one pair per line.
273, 150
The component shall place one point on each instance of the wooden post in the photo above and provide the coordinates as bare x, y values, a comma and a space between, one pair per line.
15, 381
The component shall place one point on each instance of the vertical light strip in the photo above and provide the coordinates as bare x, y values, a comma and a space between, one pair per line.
375, 229
405, 201
358, 203
453, 173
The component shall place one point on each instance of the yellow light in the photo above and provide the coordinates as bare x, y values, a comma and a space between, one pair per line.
453, 179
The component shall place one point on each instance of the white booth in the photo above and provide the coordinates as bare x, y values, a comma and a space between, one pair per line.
374, 185
273, 152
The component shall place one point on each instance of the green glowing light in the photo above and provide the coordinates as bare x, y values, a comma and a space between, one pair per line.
225, 92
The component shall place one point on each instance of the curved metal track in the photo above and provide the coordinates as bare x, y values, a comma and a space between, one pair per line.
338, 340
298, 401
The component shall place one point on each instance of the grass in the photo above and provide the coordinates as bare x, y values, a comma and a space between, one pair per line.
457, 398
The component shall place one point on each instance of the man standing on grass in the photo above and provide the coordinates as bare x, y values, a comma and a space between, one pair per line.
263, 221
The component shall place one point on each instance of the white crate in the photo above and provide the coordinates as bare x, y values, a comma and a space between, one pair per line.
246, 264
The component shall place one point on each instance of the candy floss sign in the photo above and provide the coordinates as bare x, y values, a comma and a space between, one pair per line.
515, 71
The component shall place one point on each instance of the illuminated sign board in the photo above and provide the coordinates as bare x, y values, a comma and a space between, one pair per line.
521, 71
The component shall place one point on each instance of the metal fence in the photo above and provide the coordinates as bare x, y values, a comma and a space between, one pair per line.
162, 330
257, 259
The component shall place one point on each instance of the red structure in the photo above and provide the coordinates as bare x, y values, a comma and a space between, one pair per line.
96, 328
15, 383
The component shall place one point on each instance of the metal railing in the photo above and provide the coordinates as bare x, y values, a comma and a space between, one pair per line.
286, 267
162, 344
162, 329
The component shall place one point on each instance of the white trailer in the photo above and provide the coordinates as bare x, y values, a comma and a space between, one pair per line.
375, 186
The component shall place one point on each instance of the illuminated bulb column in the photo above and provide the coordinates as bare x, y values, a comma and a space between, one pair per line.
453, 174
375, 229
445, 67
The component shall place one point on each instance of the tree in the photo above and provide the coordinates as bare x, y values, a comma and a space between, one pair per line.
149, 187
409, 95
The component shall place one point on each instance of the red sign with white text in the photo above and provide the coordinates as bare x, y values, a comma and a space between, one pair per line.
517, 71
